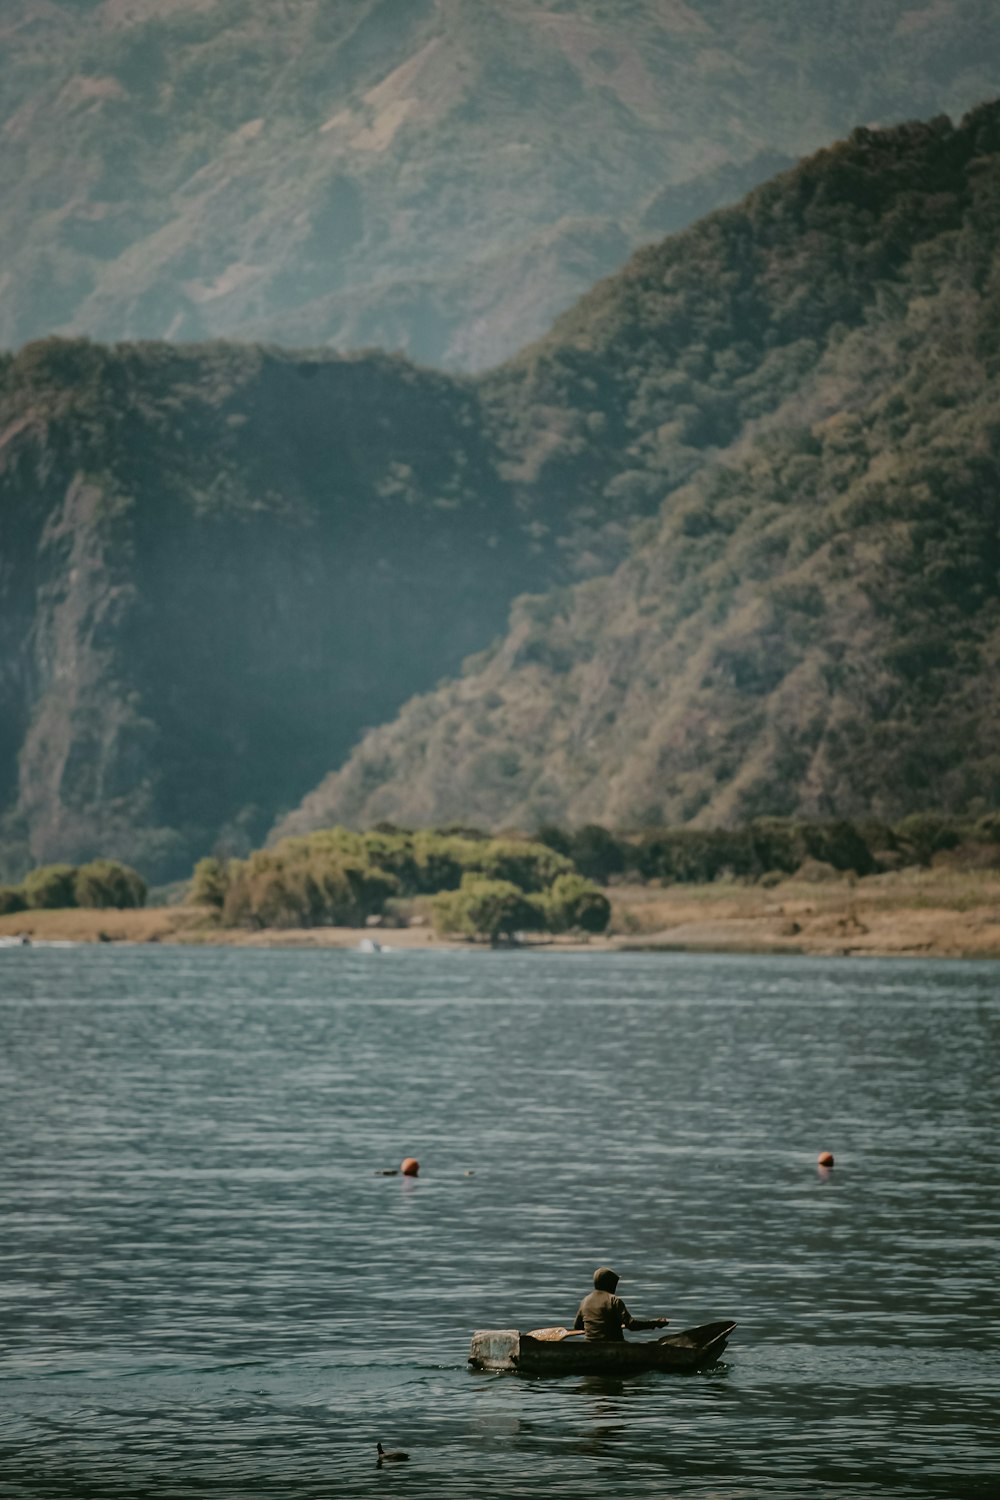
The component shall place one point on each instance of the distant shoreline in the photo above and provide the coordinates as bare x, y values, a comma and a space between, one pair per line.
937, 913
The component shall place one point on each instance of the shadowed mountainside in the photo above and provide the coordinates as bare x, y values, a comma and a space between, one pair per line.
440, 176
810, 384
219, 564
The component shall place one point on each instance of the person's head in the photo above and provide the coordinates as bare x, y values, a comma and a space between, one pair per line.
605, 1280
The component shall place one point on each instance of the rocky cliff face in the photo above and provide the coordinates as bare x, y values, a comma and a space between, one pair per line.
219, 565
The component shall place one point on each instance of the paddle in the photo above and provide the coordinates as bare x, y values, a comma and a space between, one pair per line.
555, 1334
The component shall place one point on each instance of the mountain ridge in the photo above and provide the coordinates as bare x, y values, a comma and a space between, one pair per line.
860, 434
412, 175
747, 488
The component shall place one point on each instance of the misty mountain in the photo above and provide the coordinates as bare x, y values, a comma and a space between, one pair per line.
810, 385
437, 176
745, 495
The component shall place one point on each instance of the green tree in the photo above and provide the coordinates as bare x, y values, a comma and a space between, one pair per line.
295, 886
596, 852
927, 833
108, 883
440, 860
51, 887
533, 867
555, 838
695, 854
988, 828
491, 909
11, 899
574, 902
209, 883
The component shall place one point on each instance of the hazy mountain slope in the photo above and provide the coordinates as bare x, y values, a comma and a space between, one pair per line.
813, 622
411, 173
218, 565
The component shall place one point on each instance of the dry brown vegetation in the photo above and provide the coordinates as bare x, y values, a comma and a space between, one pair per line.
931, 913
152, 924
919, 913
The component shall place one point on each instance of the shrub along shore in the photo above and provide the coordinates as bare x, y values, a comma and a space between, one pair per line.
480, 888
101, 884
924, 913
929, 885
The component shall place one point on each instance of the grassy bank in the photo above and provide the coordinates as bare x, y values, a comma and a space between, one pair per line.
932, 913
927, 913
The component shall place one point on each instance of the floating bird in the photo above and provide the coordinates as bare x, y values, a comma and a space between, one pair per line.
390, 1456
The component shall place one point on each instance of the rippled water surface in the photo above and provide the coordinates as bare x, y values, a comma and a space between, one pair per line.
206, 1290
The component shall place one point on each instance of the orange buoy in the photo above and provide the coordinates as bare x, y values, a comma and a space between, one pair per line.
825, 1159
409, 1166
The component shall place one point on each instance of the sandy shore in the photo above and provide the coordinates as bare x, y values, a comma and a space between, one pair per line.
192, 925
925, 913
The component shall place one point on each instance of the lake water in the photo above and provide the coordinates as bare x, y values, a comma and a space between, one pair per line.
206, 1290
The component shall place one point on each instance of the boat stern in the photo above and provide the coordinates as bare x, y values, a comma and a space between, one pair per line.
495, 1349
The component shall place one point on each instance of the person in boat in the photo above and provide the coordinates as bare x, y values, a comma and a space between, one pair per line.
602, 1315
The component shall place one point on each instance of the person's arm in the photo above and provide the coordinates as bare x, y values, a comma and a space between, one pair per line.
639, 1325
579, 1318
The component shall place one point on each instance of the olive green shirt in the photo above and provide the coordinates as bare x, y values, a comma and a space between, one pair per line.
602, 1315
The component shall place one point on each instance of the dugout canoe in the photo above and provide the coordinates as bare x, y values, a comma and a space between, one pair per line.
556, 1351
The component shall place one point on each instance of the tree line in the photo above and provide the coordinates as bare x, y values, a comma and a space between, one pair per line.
772, 846
491, 887
102, 883
481, 887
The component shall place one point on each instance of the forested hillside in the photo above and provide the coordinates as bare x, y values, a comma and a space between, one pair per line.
437, 176
808, 389
748, 489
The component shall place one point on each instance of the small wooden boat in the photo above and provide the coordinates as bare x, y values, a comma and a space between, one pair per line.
557, 1351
